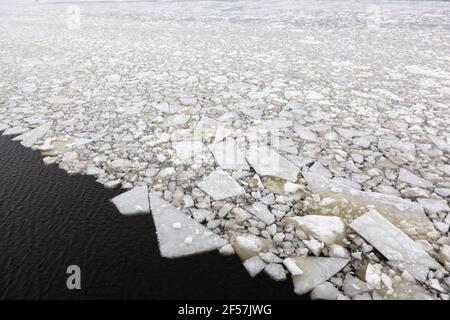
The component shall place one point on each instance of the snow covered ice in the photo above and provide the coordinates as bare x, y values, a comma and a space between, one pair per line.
270, 131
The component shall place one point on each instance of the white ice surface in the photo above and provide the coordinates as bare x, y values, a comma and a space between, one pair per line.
220, 185
394, 244
268, 162
316, 270
191, 238
133, 202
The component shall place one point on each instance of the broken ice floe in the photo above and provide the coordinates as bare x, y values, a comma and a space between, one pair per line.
228, 155
249, 245
403, 213
391, 241
133, 202
220, 185
267, 162
188, 152
260, 210
29, 138
254, 265
327, 229
179, 235
316, 270
14, 131
275, 271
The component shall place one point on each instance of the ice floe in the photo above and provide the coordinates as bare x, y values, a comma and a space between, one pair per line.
220, 185
327, 229
228, 155
268, 162
132, 202
188, 239
394, 244
316, 270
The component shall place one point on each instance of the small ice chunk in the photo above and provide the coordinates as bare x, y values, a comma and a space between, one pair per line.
261, 211
290, 187
228, 155
434, 206
325, 291
306, 134
292, 267
275, 271
372, 277
220, 185
249, 245
93, 171
191, 238
353, 286
337, 251
227, 250
314, 246
316, 270
319, 169
254, 265
267, 162
132, 202
328, 229
406, 176
270, 257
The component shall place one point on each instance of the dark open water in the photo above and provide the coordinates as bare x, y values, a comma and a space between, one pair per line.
50, 220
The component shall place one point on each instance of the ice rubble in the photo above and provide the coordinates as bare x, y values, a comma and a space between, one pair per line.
179, 235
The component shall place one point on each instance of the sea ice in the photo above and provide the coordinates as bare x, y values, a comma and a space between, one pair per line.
394, 208
220, 185
254, 265
261, 211
30, 137
267, 162
228, 155
327, 229
14, 130
316, 270
406, 176
391, 241
191, 238
249, 245
275, 271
